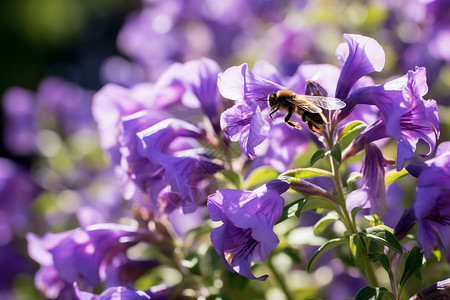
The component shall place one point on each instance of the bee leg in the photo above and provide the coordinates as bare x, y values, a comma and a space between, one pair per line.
273, 111
291, 123
313, 126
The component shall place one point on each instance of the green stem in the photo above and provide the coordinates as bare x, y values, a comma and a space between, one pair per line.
335, 169
371, 278
348, 220
280, 280
400, 293
393, 284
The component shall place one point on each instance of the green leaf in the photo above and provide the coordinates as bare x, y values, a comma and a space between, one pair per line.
191, 262
336, 153
324, 222
374, 220
393, 175
316, 202
350, 132
354, 212
382, 258
325, 247
418, 275
358, 249
259, 177
293, 209
233, 177
382, 236
302, 173
373, 293
351, 181
316, 156
413, 264
437, 253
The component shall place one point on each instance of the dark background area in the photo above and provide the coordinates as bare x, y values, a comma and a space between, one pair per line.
65, 38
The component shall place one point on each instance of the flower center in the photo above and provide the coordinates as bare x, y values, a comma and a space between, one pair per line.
245, 248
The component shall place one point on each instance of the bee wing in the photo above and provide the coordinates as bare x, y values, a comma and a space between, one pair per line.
305, 103
324, 102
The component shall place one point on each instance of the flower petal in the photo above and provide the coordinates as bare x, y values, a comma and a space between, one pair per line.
360, 56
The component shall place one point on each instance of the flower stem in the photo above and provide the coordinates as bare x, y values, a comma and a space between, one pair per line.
279, 279
371, 278
335, 169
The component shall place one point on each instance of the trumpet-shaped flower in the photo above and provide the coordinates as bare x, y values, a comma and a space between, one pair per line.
248, 121
405, 115
432, 205
372, 193
87, 256
248, 218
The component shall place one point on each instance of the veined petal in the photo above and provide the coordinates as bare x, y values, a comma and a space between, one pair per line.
240, 84
360, 56
247, 125
323, 74
200, 76
268, 71
432, 206
405, 114
248, 218
372, 193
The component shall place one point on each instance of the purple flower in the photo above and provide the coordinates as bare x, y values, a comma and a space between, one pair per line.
149, 37
118, 292
21, 126
248, 218
405, 115
432, 205
360, 56
57, 103
280, 147
200, 78
248, 121
242, 123
74, 114
157, 155
172, 145
17, 192
124, 292
87, 256
372, 193
12, 263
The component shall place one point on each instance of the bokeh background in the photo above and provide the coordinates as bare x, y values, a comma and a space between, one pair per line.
81, 45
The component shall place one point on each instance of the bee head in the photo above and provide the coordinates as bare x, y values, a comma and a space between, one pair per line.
272, 98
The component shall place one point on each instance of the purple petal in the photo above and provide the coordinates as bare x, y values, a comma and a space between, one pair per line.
443, 148
280, 147
372, 193
201, 78
416, 168
235, 119
21, 126
268, 71
79, 256
246, 125
248, 218
324, 74
360, 56
117, 292
240, 84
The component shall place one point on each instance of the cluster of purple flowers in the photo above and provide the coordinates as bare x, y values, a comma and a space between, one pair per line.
190, 143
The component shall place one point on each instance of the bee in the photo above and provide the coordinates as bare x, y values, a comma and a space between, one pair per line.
309, 107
